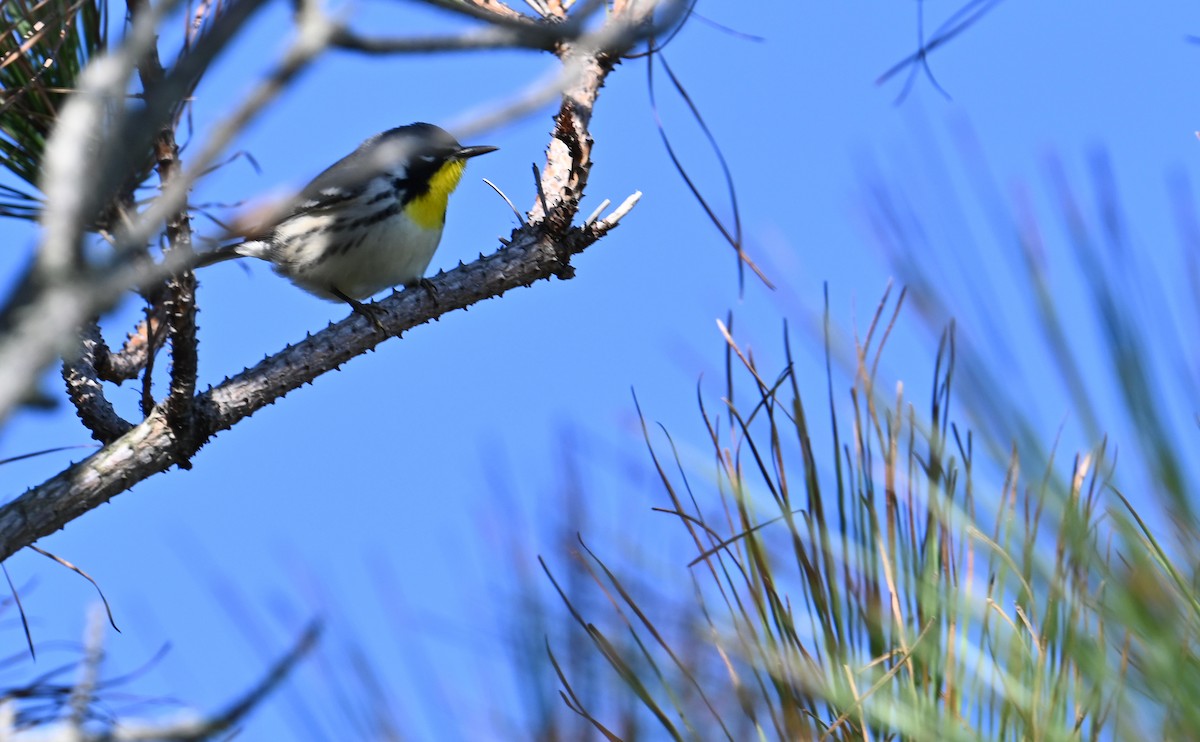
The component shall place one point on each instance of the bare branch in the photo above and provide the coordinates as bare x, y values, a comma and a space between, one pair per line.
73, 157
493, 37
539, 249
86, 391
492, 11
149, 447
141, 344
59, 295
501, 33
40, 326
179, 297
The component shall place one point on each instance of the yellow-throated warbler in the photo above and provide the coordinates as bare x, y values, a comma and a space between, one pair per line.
371, 221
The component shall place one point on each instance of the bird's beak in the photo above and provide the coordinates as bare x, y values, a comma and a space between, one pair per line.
467, 152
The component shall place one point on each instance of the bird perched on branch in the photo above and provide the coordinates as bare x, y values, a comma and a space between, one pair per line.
370, 222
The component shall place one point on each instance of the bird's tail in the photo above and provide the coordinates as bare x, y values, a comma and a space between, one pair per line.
219, 255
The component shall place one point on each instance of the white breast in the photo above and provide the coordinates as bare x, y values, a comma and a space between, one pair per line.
358, 262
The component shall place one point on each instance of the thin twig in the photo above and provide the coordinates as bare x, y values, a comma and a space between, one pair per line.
507, 200
596, 212
107, 608
604, 225
541, 194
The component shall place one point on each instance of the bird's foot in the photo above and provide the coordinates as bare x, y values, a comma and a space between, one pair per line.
370, 311
430, 288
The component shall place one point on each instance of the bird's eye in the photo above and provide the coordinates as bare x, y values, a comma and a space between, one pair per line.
427, 158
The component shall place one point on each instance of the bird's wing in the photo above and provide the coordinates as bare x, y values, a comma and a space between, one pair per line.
342, 181
332, 188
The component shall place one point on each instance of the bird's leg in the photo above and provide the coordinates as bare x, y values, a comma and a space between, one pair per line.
365, 310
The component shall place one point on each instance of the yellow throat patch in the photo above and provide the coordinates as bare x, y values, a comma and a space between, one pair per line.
429, 210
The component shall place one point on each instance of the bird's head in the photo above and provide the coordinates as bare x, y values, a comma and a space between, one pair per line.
433, 164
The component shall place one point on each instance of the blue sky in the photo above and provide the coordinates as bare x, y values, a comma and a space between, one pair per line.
430, 457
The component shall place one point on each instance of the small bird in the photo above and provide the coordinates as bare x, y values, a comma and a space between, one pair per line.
370, 222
